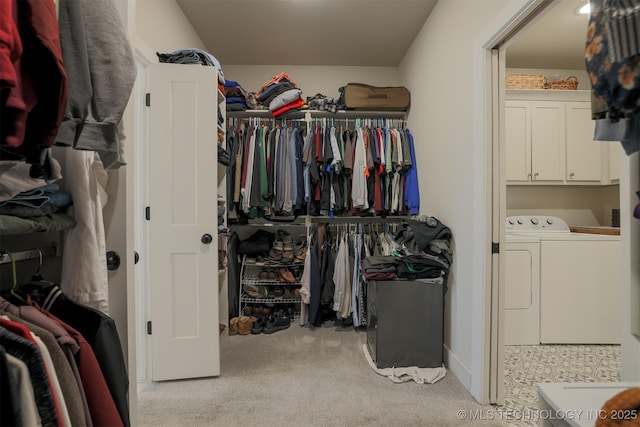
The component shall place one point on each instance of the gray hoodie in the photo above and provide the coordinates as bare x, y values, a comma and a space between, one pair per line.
101, 72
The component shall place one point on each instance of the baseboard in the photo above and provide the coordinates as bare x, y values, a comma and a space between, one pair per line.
459, 369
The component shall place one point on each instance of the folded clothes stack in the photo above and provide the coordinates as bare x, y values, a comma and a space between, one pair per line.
192, 56
236, 96
37, 202
280, 94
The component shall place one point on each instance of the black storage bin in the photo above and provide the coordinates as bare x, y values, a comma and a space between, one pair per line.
406, 322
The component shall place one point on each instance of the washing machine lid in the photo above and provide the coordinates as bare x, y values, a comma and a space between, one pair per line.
536, 224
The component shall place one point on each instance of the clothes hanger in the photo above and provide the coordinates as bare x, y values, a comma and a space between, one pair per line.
12, 293
35, 287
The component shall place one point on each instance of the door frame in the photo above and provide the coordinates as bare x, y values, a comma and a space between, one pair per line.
494, 49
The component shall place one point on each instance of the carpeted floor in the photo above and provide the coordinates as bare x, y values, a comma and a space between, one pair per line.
306, 377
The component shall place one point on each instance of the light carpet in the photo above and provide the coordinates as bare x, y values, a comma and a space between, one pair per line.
306, 377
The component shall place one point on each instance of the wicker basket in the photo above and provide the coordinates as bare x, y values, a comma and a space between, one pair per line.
571, 83
525, 81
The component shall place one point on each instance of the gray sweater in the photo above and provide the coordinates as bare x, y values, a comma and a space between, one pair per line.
101, 71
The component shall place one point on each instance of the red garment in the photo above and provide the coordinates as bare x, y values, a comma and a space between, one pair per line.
295, 104
35, 107
24, 332
101, 406
10, 43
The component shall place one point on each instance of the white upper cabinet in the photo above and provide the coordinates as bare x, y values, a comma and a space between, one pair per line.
534, 142
584, 155
549, 139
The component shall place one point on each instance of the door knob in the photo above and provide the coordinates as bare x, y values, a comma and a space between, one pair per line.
206, 239
113, 260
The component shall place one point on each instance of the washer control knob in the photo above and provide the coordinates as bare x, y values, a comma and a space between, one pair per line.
549, 221
519, 221
534, 221
511, 222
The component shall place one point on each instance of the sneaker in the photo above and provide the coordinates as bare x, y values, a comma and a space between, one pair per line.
258, 325
254, 291
300, 251
275, 254
278, 292
284, 236
276, 323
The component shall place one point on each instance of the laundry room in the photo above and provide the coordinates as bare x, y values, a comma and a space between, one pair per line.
562, 288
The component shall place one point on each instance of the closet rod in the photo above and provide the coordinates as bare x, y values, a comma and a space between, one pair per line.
357, 219
29, 254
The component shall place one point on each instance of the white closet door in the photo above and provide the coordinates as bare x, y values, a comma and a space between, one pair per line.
183, 275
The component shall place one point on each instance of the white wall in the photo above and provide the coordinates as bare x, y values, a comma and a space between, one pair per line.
162, 27
630, 230
311, 79
444, 68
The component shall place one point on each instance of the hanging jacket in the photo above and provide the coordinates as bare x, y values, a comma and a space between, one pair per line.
412, 191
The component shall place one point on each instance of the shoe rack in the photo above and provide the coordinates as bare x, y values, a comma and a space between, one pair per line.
270, 283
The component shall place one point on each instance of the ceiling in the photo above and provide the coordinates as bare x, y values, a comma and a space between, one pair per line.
361, 32
307, 32
554, 40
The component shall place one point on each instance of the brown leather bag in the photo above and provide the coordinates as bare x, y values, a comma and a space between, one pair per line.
359, 96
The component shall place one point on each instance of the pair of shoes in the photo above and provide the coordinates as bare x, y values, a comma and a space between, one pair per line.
277, 322
260, 260
286, 276
300, 251
233, 326
254, 291
244, 324
268, 274
222, 327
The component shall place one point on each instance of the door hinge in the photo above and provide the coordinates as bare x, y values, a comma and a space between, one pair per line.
147, 100
495, 248
149, 327
147, 213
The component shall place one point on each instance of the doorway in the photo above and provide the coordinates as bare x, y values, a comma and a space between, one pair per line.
503, 206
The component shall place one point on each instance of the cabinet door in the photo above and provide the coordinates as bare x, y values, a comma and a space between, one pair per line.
584, 155
183, 210
518, 141
547, 141
615, 155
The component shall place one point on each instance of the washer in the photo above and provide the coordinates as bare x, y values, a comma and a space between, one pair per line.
579, 283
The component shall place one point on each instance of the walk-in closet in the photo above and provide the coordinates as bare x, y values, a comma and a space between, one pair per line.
281, 212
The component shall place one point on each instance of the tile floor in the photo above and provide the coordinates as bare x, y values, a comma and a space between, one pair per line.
528, 365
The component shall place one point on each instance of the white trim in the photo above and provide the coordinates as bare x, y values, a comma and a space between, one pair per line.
140, 227
457, 368
514, 13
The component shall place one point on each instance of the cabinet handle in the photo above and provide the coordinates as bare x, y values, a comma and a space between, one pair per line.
535, 175
529, 175
571, 175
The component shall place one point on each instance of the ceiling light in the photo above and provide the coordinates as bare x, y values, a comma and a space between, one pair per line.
584, 9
